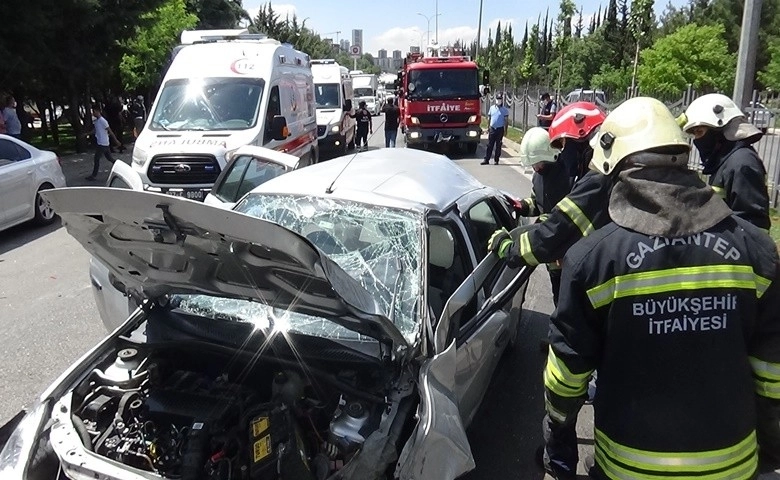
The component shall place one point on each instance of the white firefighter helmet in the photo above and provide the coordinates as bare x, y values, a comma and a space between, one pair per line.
718, 111
713, 110
637, 125
535, 147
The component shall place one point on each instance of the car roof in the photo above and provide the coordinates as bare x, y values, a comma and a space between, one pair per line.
403, 178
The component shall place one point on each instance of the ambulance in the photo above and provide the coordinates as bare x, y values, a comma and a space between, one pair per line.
225, 89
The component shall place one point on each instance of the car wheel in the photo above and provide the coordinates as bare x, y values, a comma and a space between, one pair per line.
44, 214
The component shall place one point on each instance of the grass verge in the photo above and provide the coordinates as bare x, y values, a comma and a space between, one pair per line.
66, 145
514, 134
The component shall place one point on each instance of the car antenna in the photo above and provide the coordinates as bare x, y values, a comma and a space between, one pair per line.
329, 190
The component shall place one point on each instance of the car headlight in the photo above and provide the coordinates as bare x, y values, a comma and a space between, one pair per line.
415, 120
229, 155
17, 451
335, 129
472, 119
139, 157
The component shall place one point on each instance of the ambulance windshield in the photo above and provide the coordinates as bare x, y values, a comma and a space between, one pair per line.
208, 104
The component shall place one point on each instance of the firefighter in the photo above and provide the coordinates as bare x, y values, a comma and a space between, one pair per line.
550, 185
723, 136
675, 303
581, 212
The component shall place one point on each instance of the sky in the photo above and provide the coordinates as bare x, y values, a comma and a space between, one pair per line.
396, 25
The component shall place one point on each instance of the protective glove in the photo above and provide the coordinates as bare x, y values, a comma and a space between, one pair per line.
522, 209
500, 242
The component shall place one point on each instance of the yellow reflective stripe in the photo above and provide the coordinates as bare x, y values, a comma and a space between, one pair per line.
525, 250
544, 217
529, 201
615, 471
738, 461
553, 412
764, 369
576, 215
719, 191
766, 377
675, 279
560, 380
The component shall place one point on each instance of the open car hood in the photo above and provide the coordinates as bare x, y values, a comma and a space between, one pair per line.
158, 244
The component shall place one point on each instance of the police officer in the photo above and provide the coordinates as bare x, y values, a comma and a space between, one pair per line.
550, 185
723, 136
548, 111
581, 212
675, 302
498, 118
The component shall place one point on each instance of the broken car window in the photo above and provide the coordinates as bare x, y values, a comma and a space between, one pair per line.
380, 247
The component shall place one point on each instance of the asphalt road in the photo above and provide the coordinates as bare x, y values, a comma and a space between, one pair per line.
49, 319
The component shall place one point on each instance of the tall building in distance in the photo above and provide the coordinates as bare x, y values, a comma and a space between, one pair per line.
414, 49
344, 44
397, 55
382, 53
357, 39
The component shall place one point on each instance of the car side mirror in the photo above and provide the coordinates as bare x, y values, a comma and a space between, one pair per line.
279, 130
347, 106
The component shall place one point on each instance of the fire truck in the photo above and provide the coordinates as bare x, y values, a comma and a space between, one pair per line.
439, 98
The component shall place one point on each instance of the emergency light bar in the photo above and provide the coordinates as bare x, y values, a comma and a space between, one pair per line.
190, 37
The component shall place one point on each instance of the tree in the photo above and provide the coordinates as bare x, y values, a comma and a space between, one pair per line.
567, 9
640, 23
770, 75
150, 47
578, 28
216, 14
696, 55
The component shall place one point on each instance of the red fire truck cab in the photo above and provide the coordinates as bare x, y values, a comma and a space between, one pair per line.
439, 98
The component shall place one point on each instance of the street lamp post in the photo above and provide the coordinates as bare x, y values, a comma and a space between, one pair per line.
428, 28
479, 28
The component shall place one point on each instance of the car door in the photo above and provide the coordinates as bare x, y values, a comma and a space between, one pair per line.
17, 182
483, 335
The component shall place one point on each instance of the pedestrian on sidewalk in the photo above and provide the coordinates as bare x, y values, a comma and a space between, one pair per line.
392, 120
498, 118
548, 111
102, 134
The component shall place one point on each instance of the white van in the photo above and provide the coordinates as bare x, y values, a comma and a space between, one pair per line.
334, 98
225, 89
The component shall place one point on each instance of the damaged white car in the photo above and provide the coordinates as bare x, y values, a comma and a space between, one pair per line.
348, 332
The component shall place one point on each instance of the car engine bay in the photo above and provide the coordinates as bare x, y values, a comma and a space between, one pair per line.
187, 413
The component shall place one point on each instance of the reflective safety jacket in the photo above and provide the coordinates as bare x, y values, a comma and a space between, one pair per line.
684, 333
739, 177
579, 214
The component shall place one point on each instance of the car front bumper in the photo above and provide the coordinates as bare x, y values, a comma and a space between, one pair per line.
417, 135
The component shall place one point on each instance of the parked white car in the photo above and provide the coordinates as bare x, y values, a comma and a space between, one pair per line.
760, 116
25, 171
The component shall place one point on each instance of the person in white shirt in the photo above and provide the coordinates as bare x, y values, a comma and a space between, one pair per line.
102, 134
13, 126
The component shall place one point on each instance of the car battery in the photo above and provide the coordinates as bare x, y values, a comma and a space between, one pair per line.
276, 447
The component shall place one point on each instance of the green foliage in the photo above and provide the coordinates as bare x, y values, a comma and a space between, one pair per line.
611, 79
148, 50
770, 76
694, 54
217, 14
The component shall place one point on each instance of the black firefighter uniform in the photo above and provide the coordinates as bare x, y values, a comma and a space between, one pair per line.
685, 335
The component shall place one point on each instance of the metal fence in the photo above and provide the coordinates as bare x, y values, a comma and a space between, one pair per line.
763, 112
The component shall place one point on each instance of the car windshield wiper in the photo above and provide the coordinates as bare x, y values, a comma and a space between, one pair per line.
155, 123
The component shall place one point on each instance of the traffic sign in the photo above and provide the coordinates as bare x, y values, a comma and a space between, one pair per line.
355, 51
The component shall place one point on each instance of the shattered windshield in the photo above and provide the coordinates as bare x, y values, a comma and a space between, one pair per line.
208, 104
380, 247
451, 83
